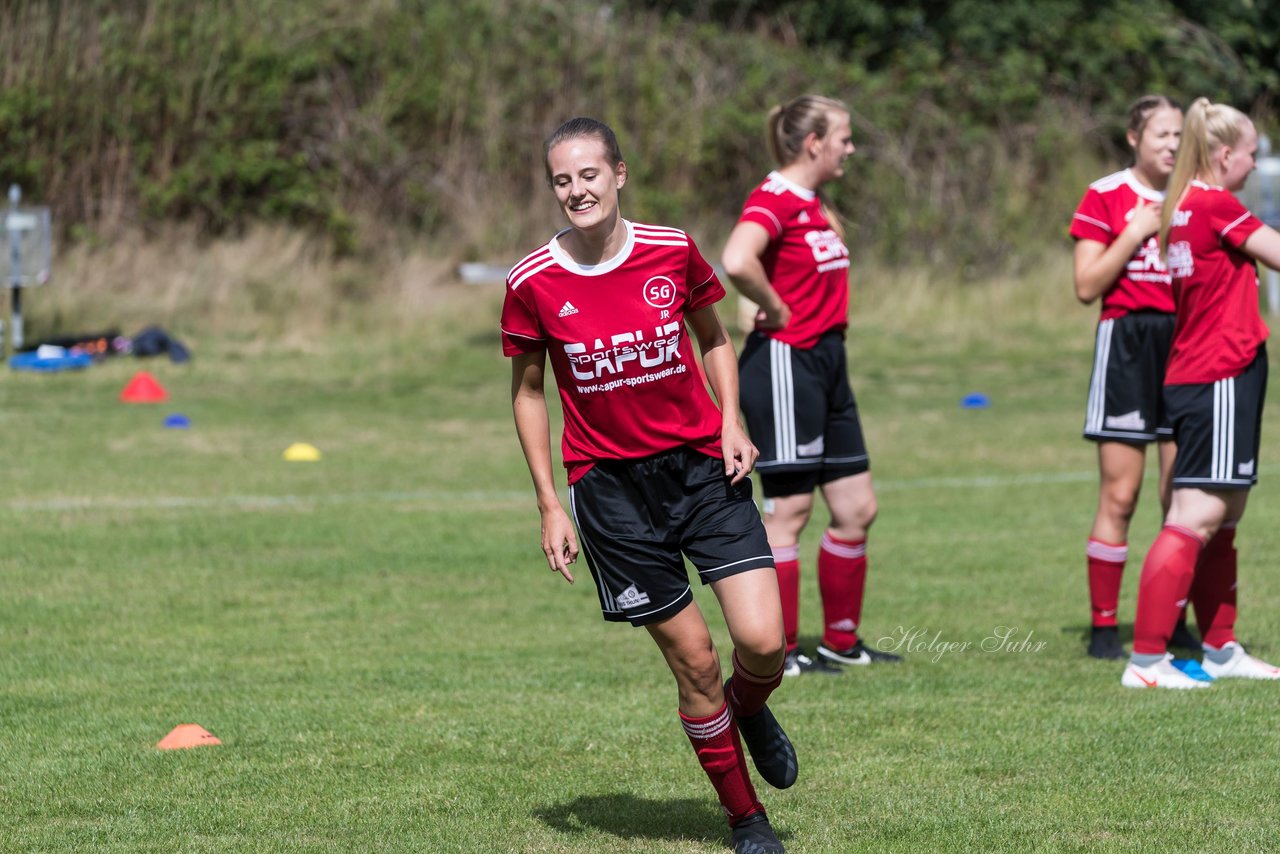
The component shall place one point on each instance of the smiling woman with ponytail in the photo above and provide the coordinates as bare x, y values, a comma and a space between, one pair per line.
1117, 264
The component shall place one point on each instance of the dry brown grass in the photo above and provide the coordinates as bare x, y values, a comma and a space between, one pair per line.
923, 297
271, 284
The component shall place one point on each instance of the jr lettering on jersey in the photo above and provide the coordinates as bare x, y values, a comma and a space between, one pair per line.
624, 347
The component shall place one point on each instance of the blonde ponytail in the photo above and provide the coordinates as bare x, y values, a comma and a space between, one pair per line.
1207, 126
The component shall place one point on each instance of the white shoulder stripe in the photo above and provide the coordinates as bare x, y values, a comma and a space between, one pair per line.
659, 230
1236, 222
1099, 223
640, 239
1109, 182
531, 259
757, 209
516, 281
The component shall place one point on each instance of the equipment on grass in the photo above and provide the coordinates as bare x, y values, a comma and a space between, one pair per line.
301, 452
187, 735
143, 388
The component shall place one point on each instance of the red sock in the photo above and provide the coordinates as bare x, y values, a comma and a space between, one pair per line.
842, 577
1106, 568
1214, 590
749, 691
1162, 592
787, 560
715, 741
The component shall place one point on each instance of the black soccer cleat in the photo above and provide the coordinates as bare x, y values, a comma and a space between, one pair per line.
1104, 643
770, 749
754, 835
858, 654
1184, 638
798, 664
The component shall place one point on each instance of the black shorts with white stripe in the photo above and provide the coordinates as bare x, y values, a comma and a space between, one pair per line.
801, 413
638, 519
1218, 428
1126, 402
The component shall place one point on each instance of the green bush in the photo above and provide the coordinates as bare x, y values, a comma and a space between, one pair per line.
977, 121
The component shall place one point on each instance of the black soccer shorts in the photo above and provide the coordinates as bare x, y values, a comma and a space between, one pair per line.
801, 413
1126, 399
1218, 427
638, 519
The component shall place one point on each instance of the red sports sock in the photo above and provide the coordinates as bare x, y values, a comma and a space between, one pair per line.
1106, 568
842, 577
715, 741
1213, 592
1162, 592
787, 560
749, 691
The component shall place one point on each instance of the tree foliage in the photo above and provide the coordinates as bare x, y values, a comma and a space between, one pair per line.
977, 121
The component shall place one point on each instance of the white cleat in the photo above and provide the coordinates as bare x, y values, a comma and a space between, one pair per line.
1241, 665
1162, 674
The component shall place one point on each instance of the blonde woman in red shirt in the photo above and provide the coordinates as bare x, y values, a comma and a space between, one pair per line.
787, 255
1215, 386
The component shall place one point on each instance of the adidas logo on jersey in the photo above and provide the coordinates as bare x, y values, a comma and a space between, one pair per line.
1246, 469
803, 217
631, 597
567, 309
1128, 421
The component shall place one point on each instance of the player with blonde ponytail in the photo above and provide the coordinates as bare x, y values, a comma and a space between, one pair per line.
788, 256
1215, 385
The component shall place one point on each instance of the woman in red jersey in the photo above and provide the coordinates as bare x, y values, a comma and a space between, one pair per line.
1117, 260
657, 472
1215, 384
787, 255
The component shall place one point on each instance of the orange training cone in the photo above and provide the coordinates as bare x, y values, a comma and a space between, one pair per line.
143, 388
187, 735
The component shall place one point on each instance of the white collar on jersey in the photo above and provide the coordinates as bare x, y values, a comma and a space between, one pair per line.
803, 192
562, 258
1142, 189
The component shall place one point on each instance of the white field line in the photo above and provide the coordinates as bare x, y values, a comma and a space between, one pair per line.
62, 504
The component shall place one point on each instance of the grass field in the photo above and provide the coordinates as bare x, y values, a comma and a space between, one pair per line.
390, 667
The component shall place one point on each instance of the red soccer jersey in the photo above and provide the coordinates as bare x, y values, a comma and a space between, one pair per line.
1103, 213
806, 261
616, 337
1219, 328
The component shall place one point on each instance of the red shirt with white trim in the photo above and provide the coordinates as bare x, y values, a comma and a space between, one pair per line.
617, 342
1103, 213
806, 261
1219, 328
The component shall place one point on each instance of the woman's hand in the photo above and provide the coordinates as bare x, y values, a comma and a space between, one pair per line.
739, 453
559, 541
776, 316
1144, 222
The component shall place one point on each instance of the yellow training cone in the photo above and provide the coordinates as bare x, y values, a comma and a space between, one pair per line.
301, 452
